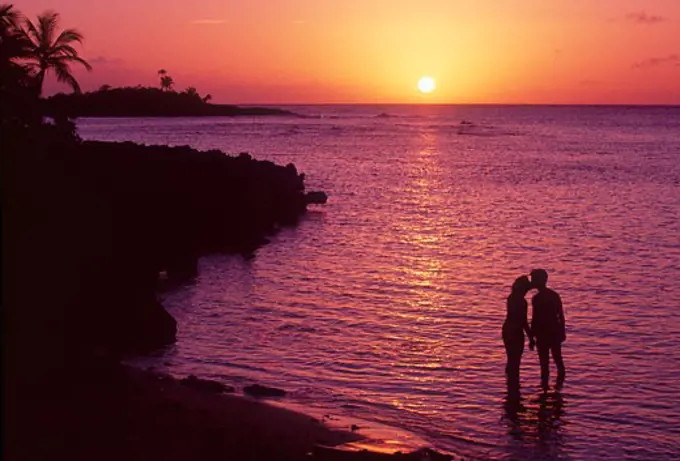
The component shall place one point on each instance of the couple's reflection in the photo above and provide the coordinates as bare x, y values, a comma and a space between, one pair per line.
535, 423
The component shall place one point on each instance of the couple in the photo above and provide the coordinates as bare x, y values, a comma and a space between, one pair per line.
547, 331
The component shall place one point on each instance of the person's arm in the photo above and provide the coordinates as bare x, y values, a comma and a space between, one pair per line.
562, 322
527, 328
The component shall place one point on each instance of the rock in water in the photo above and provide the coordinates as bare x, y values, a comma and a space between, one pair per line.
257, 390
206, 385
317, 197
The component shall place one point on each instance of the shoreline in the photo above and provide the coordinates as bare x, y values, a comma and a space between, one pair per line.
146, 102
113, 411
121, 412
344, 436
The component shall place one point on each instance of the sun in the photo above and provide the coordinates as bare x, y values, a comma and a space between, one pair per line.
426, 84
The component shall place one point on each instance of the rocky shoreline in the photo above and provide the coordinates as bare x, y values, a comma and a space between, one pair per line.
88, 229
94, 224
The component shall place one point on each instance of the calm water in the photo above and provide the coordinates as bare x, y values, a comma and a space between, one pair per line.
387, 303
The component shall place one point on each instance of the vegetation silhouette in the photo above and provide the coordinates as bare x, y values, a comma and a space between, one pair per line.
20, 79
50, 50
167, 82
142, 101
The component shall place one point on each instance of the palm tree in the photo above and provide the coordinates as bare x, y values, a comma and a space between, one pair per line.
19, 103
51, 50
167, 82
192, 91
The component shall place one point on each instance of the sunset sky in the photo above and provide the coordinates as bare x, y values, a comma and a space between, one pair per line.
371, 51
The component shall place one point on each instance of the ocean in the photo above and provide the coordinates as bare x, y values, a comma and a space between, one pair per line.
386, 304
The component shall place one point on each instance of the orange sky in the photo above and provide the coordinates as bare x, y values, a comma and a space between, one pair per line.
369, 51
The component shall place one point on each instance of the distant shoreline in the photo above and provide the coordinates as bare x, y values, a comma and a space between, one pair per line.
471, 104
146, 102
210, 110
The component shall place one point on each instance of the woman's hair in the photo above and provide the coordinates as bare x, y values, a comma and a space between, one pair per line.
521, 285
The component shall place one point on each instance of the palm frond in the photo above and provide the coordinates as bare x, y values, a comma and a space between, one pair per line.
14, 47
10, 17
79, 60
67, 36
47, 27
63, 73
63, 50
31, 33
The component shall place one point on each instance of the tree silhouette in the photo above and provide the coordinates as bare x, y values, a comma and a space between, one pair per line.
51, 50
14, 46
18, 106
167, 82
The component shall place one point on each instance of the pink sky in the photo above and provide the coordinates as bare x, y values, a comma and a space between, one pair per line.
370, 51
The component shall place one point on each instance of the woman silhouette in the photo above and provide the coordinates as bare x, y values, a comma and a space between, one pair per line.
515, 326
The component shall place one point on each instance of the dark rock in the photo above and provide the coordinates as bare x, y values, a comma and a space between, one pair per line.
257, 390
317, 197
104, 219
205, 385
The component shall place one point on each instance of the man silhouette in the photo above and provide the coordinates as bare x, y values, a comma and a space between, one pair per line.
547, 326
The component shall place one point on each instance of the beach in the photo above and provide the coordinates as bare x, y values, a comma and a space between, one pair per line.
118, 412
109, 411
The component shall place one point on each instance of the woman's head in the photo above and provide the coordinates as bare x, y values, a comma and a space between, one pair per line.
521, 286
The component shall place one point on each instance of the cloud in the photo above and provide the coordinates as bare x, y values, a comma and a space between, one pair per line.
672, 59
643, 18
103, 60
208, 21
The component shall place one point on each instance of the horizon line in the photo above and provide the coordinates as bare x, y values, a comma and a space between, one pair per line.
666, 105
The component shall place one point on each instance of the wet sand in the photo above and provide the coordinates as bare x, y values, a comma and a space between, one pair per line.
115, 413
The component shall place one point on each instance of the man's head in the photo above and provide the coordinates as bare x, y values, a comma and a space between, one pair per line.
539, 278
